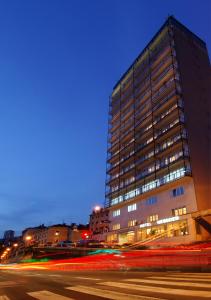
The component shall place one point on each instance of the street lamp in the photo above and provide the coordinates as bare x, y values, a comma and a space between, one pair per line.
28, 238
97, 208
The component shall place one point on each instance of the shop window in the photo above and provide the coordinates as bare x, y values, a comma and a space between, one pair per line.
116, 226
178, 191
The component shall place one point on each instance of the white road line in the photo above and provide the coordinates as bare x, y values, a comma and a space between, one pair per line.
88, 278
181, 278
192, 275
109, 294
145, 288
46, 295
163, 282
7, 283
207, 273
4, 297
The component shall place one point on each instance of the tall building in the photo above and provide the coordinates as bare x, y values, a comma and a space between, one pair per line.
158, 164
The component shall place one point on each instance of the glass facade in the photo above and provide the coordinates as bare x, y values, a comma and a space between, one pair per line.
147, 140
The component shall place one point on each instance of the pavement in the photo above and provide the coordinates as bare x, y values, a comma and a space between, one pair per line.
93, 285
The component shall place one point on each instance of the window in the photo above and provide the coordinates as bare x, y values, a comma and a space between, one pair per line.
179, 211
152, 218
132, 223
151, 201
116, 226
132, 207
178, 191
116, 213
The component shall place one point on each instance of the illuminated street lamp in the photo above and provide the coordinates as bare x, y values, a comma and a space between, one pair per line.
15, 245
28, 238
97, 208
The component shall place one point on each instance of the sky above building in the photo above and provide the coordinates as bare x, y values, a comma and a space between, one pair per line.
59, 61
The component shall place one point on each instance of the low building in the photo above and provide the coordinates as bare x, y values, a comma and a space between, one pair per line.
79, 232
33, 235
99, 223
54, 234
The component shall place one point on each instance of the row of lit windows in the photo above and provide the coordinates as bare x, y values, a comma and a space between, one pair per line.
151, 185
116, 213
155, 121
155, 166
130, 90
132, 223
162, 163
179, 211
167, 84
144, 65
116, 226
153, 218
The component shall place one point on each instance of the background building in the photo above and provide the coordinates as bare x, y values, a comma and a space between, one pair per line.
99, 223
9, 237
158, 165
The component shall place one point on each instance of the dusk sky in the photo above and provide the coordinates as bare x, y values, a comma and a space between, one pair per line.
59, 60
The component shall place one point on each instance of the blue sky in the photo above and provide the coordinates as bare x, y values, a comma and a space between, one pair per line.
59, 61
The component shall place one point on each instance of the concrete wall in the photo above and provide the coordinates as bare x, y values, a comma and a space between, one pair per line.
165, 203
194, 69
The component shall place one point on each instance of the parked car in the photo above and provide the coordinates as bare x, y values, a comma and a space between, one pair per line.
89, 244
66, 244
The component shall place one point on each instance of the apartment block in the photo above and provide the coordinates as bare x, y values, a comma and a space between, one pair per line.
158, 183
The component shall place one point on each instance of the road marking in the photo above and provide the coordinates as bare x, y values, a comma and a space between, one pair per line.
181, 278
192, 284
4, 297
109, 294
156, 289
46, 295
7, 283
193, 275
88, 278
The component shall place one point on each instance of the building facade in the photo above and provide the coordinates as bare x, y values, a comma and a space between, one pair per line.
9, 237
158, 165
99, 223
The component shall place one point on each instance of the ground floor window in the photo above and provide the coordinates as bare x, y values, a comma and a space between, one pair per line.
165, 230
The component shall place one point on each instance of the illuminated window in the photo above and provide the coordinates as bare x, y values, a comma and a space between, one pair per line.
179, 211
132, 223
132, 207
152, 218
116, 226
116, 213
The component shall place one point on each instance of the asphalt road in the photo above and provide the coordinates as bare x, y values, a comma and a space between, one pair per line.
117, 285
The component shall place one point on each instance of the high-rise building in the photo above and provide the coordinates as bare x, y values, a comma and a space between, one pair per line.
158, 165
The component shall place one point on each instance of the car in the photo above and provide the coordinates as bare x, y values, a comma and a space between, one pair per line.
89, 244
66, 244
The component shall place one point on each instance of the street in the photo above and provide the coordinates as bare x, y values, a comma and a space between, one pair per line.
93, 285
